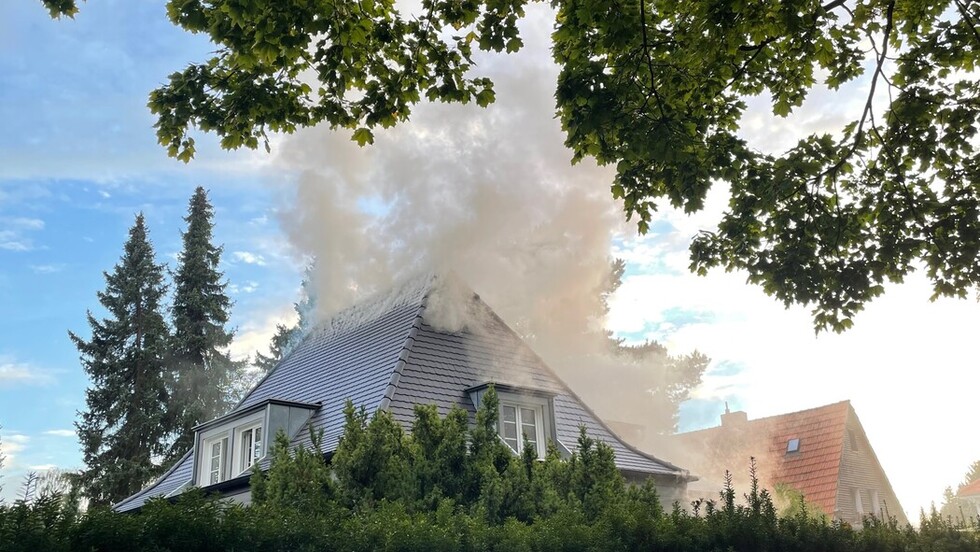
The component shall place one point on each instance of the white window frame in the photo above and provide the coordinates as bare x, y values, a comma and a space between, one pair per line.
241, 456
544, 414
206, 470
231, 458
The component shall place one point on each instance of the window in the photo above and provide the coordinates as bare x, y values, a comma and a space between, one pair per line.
858, 504
852, 439
793, 445
250, 447
229, 451
875, 503
518, 422
216, 460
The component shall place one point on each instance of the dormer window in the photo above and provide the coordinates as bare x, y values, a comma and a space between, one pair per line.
228, 447
518, 423
523, 413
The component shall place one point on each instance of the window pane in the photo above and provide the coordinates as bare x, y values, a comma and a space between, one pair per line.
529, 426
508, 429
246, 450
214, 475
258, 444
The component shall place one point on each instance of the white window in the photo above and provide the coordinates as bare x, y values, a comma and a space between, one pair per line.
215, 459
858, 504
875, 503
518, 422
250, 447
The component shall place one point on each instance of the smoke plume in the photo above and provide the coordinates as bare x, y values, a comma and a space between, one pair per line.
489, 194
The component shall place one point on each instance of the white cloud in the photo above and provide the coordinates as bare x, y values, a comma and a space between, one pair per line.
250, 286
60, 432
249, 258
17, 373
256, 335
42, 467
22, 223
13, 232
11, 444
47, 268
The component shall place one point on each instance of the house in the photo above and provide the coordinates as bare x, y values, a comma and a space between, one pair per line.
822, 453
391, 353
969, 498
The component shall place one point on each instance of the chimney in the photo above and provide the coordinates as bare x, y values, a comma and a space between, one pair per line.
733, 419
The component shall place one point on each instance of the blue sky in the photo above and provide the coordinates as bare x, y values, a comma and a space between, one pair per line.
78, 159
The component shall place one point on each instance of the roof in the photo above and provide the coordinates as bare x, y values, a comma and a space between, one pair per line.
813, 470
970, 489
384, 354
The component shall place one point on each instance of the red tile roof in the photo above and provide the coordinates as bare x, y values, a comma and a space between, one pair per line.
813, 470
972, 489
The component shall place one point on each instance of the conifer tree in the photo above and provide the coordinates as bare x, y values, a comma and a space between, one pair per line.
122, 428
204, 374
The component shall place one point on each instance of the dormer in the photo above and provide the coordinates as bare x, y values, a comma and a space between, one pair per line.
522, 412
227, 447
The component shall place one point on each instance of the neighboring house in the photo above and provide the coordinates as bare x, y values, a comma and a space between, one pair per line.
822, 453
969, 496
384, 354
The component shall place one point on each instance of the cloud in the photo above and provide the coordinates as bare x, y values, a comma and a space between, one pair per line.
249, 286
42, 467
17, 373
14, 230
256, 334
249, 258
22, 223
60, 432
48, 268
11, 445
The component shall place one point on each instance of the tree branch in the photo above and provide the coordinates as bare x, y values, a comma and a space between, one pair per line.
646, 53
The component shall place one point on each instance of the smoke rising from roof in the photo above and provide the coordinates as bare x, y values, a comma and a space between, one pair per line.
488, 194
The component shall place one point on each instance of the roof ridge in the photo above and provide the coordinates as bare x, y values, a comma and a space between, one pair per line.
403, 355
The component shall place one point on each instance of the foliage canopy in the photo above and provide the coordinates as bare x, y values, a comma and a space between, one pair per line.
657, 89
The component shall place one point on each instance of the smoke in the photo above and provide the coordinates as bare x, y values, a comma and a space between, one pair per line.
489, 194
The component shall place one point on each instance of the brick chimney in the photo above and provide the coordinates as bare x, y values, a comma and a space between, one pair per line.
733, 419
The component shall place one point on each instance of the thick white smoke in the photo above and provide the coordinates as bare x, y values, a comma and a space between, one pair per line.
489, 194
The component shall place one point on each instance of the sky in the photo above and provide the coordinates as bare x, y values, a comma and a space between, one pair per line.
78, 160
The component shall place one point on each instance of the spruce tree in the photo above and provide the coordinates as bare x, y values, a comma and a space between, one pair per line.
204, 374
122, 428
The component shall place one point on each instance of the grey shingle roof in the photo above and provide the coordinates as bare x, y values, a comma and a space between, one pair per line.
383, 354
